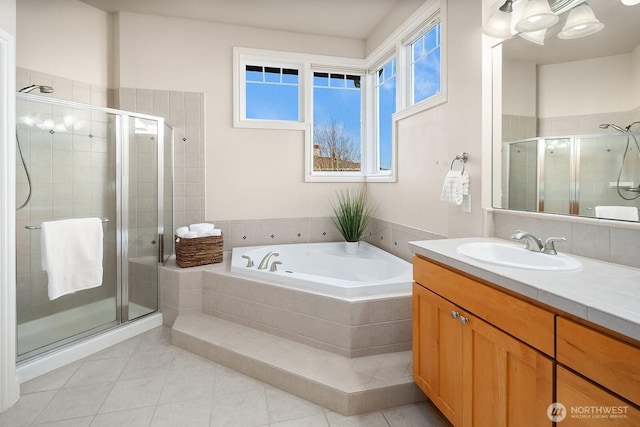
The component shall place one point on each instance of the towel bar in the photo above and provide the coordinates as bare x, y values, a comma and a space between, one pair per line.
37, 227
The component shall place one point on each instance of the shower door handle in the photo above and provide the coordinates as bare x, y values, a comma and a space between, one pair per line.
160, 248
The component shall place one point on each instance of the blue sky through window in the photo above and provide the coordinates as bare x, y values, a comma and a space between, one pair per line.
272, 93
386, 93
425, 54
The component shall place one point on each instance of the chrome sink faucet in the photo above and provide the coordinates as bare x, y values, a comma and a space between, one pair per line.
534, 244
265, 261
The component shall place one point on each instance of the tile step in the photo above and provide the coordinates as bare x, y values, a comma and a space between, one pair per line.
345, 385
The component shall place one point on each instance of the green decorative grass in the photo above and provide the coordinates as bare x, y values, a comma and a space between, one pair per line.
352, 212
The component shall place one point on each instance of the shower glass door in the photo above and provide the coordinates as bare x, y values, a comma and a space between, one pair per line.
78, 161
144, 217
69, 155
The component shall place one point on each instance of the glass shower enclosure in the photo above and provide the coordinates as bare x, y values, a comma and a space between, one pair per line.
77, 161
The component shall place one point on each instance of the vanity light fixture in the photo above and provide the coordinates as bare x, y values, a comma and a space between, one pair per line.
499, 24
630, 2
581, 22
536, 37
537, 15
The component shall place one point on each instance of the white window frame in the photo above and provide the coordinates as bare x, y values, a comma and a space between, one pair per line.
244, 57
434, 12
398, 44
338, 176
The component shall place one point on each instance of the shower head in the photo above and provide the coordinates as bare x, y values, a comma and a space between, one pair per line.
43, 89
616, 127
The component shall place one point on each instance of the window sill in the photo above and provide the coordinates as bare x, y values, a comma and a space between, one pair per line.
269, 124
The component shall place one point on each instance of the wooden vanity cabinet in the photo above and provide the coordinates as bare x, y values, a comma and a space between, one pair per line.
588, 405
473, 371
604, 388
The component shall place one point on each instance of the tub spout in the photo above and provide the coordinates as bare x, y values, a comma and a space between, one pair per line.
265, 261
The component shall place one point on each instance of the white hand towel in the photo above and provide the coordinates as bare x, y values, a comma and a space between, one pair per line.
456, 185
628, 213
72, 255
214, 232
181, 231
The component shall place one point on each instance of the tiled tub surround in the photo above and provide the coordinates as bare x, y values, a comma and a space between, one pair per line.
393, 238
350, 329
602, 293
181, 288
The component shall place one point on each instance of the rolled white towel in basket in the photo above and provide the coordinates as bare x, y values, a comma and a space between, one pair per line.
201, 228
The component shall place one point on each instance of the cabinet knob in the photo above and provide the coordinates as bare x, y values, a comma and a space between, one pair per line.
464, 320
454, 314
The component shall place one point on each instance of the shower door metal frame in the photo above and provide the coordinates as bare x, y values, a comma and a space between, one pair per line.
122, 210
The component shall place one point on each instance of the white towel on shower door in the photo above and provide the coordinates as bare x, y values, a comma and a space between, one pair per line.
72, 255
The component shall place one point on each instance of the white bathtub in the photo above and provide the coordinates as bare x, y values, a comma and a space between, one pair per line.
326, 269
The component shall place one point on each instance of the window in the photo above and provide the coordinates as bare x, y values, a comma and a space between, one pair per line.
337, 130
385, 96
425, 65
271, 93
348, 109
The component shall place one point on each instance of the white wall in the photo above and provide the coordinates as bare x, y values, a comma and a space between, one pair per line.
635, 67
259, 173
600, 85
428, 141
65, 38
520, 77
250, 174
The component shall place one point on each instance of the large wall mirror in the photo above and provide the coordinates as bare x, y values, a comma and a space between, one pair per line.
563, 135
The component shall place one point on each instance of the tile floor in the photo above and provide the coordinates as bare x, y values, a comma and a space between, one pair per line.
146, 381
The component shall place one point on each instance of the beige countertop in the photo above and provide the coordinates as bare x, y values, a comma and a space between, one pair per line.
603, 293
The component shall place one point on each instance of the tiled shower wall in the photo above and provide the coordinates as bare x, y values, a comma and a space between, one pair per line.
184, 112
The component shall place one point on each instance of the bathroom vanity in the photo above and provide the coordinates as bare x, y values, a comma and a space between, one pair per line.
496, 345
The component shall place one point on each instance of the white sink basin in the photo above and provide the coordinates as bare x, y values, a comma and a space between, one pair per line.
517, 256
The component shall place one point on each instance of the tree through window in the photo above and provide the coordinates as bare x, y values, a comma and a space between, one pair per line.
336, 122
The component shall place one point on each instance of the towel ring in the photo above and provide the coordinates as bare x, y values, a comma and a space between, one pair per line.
462, 158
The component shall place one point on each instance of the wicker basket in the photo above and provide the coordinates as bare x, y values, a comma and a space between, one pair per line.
198, 251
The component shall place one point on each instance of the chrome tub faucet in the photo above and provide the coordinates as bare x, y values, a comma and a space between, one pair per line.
265, 261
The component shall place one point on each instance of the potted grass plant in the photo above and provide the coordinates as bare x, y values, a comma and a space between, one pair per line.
351, 214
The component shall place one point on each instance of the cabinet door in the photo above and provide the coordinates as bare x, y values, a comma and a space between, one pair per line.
437, 352
505, 382
588, 405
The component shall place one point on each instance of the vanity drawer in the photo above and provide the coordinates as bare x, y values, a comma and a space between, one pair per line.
604, 359
523, 320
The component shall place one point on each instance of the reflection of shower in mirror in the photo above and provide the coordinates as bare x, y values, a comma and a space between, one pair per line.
627, 131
